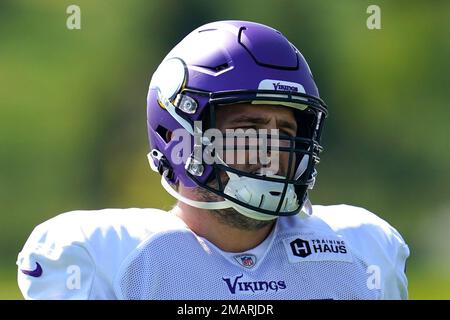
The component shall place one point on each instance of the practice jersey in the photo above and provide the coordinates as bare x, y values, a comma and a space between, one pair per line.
338, 252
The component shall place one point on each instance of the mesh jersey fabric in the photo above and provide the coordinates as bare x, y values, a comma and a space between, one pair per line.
151, 254
164, 269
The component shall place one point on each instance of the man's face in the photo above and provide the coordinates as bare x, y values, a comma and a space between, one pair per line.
254, 118
249, 116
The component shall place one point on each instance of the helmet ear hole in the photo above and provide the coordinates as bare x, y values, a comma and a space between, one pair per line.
165, 134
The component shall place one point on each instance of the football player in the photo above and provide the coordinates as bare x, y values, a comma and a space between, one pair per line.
240, 229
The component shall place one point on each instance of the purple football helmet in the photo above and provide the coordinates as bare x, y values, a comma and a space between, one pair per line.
227, 63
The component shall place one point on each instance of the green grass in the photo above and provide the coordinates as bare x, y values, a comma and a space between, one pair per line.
8, 284
429, 283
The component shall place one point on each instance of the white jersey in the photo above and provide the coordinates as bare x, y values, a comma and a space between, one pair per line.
339, 252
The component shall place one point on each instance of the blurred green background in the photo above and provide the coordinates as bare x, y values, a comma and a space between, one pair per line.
73, 127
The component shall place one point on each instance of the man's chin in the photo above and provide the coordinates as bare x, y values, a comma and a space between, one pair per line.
236, 220
230, 216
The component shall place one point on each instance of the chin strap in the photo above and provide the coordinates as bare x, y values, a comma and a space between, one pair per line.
305, 212
198, 204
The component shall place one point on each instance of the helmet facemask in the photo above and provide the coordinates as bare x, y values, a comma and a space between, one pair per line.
255, 190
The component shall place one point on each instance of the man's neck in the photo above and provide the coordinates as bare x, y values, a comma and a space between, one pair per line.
225, 237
